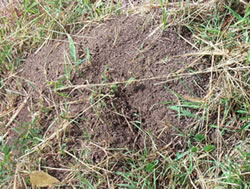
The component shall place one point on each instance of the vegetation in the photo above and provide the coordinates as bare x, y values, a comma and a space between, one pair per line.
216, 153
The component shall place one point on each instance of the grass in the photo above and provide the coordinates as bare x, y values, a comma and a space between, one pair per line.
216, 149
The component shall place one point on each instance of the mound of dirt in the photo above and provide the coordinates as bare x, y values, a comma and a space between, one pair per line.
125, 81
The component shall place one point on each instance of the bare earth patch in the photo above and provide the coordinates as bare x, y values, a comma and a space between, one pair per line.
118, 99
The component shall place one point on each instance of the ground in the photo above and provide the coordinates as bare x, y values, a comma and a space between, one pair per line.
121, 49
91, 103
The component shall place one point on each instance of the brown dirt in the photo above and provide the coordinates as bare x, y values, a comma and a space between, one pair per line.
133, 55
121, 48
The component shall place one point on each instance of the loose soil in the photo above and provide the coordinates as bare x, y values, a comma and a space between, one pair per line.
130, 115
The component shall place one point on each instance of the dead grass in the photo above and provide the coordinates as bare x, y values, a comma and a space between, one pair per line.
216, 149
